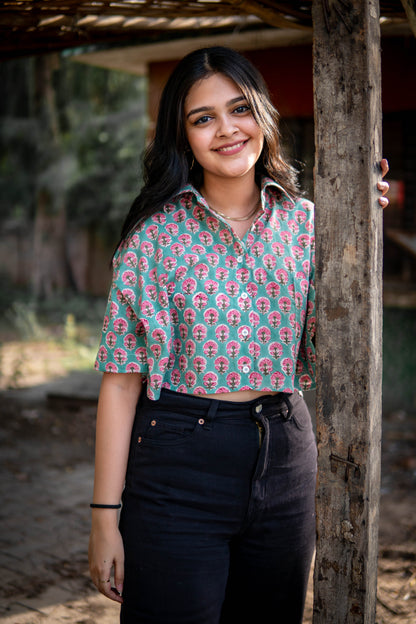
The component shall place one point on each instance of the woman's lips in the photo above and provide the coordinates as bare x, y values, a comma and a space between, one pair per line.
231, 149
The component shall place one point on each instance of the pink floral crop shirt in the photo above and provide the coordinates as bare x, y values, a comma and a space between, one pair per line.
197, 310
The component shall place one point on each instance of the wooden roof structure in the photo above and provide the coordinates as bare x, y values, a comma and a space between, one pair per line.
37, 26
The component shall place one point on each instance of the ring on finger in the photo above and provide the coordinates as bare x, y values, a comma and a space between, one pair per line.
104, 580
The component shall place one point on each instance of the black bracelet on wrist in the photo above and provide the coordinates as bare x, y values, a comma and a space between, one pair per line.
97, 506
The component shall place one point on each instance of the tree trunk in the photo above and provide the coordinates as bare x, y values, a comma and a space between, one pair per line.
347, 80
50, 266
50, 270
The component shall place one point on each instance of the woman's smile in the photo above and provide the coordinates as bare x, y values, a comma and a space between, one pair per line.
231, 149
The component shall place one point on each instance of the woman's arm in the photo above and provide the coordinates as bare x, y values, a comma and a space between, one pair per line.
117, 403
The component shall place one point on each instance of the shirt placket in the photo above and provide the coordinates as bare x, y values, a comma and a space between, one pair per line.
245, 305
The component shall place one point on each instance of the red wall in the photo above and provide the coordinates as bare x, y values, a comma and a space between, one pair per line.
398, 74
288, 74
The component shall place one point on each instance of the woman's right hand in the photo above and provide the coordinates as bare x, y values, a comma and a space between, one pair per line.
105, 553
119, 394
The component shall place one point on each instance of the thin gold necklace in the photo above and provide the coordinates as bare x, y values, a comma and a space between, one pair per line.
246, 218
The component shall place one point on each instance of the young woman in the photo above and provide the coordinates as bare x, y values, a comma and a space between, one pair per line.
206, 348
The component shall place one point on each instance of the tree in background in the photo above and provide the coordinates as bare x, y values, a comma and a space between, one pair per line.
50, 272
71, 138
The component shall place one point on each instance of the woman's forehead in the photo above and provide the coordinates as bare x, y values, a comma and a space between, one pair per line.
212, 89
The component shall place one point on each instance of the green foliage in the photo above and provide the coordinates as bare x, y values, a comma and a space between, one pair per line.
48, 338
23, 317
103, 113
64, 316
101, 124
18, 150
399, 358
83, 310
9, 293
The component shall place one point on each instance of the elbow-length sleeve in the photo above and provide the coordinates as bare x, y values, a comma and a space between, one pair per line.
137, 330
122, 347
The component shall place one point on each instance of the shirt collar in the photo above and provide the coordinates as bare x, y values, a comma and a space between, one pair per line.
266, 185
288, 202
189, 188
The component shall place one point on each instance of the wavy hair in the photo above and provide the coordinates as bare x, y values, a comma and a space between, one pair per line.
168, 158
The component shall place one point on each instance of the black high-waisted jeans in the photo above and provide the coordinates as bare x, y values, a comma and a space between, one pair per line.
218, 514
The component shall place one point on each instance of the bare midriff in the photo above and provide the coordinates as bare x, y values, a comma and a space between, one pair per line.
238, 397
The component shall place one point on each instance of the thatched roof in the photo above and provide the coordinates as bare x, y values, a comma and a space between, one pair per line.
33, 26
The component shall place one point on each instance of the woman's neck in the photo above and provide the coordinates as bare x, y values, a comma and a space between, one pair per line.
234, 198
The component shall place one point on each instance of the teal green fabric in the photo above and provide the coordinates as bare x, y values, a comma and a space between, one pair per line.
197, 310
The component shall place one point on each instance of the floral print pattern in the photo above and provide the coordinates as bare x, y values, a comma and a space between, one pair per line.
197, 310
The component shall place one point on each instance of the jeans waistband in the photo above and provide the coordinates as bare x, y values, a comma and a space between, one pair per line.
204, 406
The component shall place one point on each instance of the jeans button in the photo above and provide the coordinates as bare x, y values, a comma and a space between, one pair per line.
259, 408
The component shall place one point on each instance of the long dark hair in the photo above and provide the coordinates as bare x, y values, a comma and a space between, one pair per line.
168, 159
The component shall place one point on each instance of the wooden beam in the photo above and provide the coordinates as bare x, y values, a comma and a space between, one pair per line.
410, 8
271, 15
347, 79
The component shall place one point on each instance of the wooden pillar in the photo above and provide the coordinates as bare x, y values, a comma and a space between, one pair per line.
347, 79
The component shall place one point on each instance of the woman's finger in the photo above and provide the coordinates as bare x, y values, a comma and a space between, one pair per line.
119, 575
384, 164
383, 187
104, 587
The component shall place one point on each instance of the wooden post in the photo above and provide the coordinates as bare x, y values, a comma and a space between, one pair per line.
347, 79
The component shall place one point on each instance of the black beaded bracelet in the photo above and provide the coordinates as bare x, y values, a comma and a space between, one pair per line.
96, 506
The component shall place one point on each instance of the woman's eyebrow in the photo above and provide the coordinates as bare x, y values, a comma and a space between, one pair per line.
204, 109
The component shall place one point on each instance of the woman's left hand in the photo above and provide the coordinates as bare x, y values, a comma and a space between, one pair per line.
383, 186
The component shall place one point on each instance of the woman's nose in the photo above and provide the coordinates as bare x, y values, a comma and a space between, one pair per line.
226, 126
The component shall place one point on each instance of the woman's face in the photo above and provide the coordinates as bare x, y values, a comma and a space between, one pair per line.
221, 130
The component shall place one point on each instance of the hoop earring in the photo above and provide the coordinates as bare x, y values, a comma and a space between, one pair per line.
192, 164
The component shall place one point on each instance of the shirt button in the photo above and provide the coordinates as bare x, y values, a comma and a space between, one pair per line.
244, 295
246, 369
240, 258
244, 332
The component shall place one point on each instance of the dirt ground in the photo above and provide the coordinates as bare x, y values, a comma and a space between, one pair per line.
47, 438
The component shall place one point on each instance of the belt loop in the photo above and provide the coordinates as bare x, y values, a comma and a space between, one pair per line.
212, 410
286, 399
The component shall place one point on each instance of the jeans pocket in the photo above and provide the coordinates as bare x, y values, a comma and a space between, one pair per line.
301, 416
165, 429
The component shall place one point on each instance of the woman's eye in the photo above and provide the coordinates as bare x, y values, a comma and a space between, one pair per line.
202, 120
242, 109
